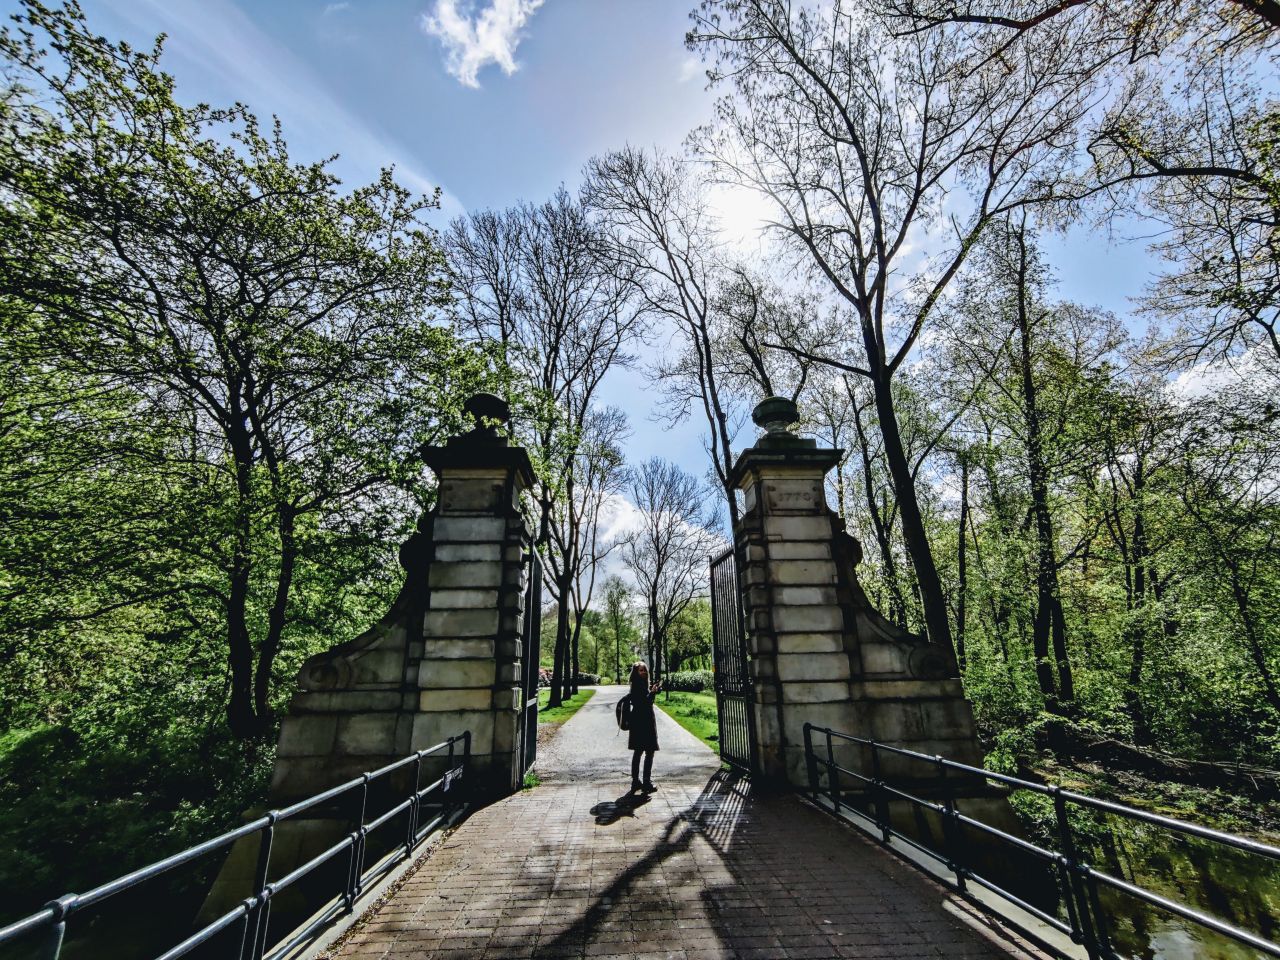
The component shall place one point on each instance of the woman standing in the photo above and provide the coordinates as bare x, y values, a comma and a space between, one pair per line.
643, 736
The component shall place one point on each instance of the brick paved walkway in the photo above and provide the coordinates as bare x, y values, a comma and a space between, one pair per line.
702, 869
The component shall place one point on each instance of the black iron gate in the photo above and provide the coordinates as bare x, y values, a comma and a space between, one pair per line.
530, 654
734, 701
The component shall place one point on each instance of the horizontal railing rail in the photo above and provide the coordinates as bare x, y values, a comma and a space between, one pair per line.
1086, 922
46, 929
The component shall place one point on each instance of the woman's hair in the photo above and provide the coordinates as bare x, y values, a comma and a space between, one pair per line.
635, 674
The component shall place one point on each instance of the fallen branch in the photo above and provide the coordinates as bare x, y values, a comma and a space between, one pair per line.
1069, 741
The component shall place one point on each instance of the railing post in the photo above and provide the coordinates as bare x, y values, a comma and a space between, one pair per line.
833, 776
810, 762
257, 925
952, 829
356, 862
1083, 930
57, 933
1100, 917
414, 803
879, 798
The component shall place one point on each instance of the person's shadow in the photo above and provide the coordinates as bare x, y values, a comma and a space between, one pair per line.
611, 811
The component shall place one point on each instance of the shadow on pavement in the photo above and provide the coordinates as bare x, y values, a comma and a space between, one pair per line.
611, 811
780, 887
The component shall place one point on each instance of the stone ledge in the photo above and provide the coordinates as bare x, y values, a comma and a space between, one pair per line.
461, 623
894, 690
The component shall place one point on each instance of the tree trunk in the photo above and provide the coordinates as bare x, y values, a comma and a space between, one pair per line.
897, 609
573, 673
936, 617
1256, 652
276, 616
560, 665
1058, 690
1133, 689
241, 717
962, 570
655, 646
564, 640
1066, 683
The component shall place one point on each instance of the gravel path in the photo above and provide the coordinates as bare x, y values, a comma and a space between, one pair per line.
590, 748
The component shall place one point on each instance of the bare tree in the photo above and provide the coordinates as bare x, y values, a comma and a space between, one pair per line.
537, 285
599, 477
667, 554
617, 618
860, 139
1124, 31
1187, 141
751, 311
829, 412
666, 238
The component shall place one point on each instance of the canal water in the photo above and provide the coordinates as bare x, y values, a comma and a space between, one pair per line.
1241, 888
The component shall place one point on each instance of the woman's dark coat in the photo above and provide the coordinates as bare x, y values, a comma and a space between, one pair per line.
643, 732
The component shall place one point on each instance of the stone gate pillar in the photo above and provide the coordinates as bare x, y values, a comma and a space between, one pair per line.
820, 653
446, 657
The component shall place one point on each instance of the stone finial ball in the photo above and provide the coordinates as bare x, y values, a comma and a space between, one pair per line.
775, 414
489, 406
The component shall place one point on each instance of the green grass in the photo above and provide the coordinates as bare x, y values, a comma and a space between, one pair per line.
566, 709
696, 712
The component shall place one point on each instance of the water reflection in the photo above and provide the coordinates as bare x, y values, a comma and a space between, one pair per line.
1232, 885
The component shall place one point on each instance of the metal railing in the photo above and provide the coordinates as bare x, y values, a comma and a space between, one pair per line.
46, 929
1086, 922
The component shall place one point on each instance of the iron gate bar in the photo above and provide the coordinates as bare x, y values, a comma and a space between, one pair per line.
530, 655
254, 911
1086, 922
735, 706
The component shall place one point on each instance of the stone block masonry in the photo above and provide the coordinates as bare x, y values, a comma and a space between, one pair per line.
444, 659
819, 652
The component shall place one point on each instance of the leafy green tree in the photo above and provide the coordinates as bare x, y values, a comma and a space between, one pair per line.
617, 623
1230, 489
273, 333
689, 638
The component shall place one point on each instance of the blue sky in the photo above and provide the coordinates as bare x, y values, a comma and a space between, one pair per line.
422, 84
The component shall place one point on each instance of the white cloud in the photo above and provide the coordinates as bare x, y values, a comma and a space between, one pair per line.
473, 42
1256, 364
335, 8
690, 68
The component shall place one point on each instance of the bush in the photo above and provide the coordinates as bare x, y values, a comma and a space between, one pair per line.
689, 681
584, 679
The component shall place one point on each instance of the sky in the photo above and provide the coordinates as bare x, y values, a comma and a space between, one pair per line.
493, 101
